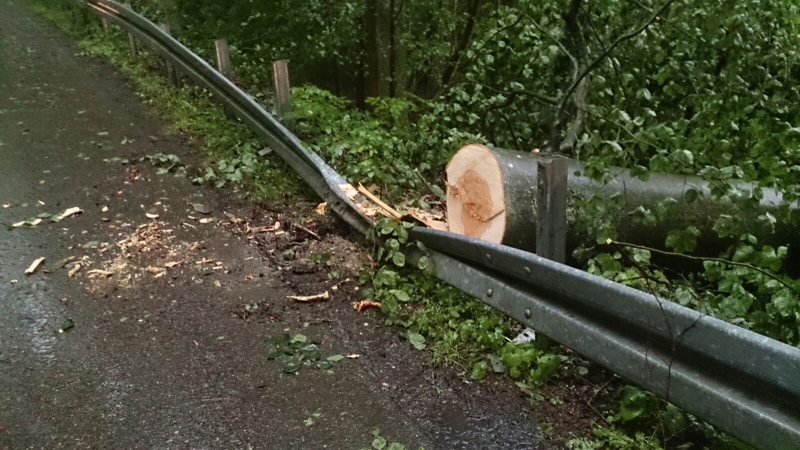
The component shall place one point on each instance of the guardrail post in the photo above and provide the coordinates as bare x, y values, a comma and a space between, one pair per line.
551, 214
106, 25
283, 96
224, 67
131, 38
223, 58
172, 75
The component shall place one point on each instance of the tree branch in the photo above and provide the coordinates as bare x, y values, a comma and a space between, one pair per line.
578, 85
701, 259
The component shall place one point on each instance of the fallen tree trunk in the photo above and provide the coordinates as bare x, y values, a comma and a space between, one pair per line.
491, 195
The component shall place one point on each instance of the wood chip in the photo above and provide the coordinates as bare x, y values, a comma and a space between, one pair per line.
65, 261
170, 265
70, 212
349, 191
359, 306
75, 269
103, 273
151, 216
36, 222
155, 270
34, 265
310, 298
354, 356
6, 205
308, 231
374, 199
321, 208
18, 224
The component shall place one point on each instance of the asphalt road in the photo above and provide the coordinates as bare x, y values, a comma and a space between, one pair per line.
163, 358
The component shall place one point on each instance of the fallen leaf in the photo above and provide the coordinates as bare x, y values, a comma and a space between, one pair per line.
66, 325
359, 306
70, 212
309, 298
321, 208
201, 208
155, 270
151, 216
75, 269
34, 265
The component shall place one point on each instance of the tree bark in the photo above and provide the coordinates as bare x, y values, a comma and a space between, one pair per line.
491, 194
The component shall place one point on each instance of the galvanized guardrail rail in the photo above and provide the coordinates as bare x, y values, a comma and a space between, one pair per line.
744, 383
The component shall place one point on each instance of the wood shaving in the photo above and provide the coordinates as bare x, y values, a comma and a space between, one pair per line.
364, 304
315, 235
75, 269
310, 298
104, 273
65, 261
70, 212
34, 265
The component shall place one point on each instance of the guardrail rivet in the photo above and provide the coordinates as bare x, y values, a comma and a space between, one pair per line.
527, 270
528, 313
489, 292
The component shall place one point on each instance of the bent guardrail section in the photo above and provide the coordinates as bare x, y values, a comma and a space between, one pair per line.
746, 384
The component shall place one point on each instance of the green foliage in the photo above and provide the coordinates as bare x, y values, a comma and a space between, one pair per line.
166, 163
395, 145
295, 352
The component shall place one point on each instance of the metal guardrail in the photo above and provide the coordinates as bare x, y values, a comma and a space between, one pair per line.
746, 384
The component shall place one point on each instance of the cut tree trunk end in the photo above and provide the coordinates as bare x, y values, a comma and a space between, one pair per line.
491, 195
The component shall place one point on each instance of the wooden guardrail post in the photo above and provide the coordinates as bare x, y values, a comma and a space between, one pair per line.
172, 75
283, 95
551, 214
131, 38
225, 68
106, 25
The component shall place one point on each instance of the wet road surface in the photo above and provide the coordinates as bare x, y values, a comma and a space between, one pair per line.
161, 359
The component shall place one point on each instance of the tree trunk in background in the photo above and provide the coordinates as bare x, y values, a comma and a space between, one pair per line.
377, 20
372, 48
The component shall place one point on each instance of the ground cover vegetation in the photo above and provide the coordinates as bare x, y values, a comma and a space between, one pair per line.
390, 89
